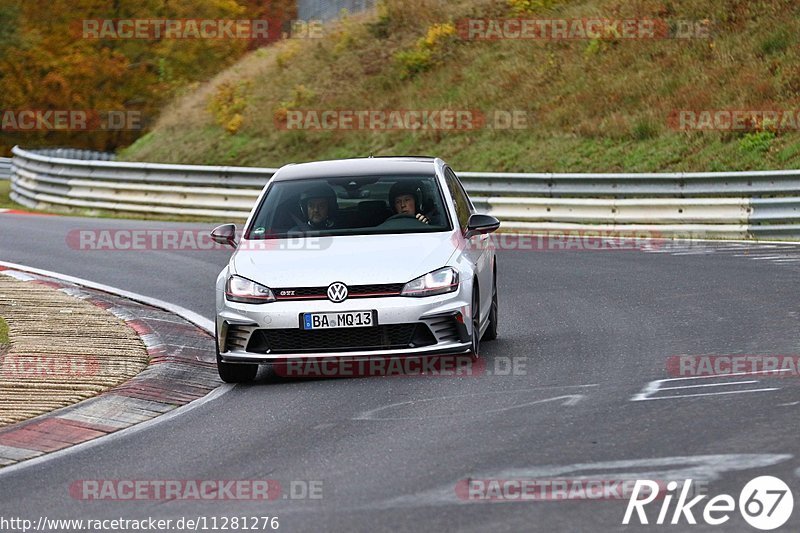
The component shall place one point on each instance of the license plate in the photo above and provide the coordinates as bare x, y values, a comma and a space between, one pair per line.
348, 319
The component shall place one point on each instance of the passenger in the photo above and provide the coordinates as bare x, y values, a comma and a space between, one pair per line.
405, 197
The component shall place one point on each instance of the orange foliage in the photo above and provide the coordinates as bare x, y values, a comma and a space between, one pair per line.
46, 63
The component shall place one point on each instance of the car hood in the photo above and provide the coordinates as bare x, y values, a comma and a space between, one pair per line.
353, 260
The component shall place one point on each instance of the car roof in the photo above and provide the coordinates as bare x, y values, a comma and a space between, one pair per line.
367, 166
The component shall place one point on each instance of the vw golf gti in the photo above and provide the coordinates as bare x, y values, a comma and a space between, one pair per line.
356, 258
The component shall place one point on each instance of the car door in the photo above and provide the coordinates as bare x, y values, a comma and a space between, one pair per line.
477, 250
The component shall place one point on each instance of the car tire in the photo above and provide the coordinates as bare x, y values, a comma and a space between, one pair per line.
476, 322
234, 372
491, 330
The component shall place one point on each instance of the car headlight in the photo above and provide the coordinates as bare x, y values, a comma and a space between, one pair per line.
439, 281
239, 289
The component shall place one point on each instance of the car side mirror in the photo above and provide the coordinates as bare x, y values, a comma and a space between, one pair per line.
481, 224
225, 234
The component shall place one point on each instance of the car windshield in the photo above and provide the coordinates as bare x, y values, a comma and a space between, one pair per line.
350, 206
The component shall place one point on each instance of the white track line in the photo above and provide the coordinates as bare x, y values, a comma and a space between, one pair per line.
677, 240
678, 397
711, 385
122, 433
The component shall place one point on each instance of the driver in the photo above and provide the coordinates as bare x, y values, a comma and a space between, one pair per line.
405, 197
319, 205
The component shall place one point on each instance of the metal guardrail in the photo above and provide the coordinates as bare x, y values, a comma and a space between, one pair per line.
75, 153
764, 204
46, 182
5, 168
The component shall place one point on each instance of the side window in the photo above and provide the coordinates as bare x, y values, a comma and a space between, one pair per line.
463, 205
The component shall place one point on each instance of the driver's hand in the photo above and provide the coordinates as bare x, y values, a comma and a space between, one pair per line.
422, 218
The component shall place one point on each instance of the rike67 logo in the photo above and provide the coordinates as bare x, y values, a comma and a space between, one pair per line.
765, 503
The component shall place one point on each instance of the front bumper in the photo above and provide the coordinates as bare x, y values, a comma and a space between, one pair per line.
244, 330
247, 357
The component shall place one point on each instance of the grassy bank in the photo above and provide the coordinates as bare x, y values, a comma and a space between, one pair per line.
3, 333
5, 201
599, 105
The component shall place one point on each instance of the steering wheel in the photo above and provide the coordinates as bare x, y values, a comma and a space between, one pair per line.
402, 215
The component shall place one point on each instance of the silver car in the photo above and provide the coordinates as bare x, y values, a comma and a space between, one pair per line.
356, 258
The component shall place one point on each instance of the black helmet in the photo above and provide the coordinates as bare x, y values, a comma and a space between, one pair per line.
410, 187
319, 191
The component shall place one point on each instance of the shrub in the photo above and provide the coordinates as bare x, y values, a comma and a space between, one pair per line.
756, 141
301, 96
427, 50
775, 43
529, 6
287, 53
645, 129
227, 105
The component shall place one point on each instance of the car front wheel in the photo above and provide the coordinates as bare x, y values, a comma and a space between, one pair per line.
491, 330
234, 372
476, 322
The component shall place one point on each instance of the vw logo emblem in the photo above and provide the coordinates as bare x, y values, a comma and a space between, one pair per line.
337, 292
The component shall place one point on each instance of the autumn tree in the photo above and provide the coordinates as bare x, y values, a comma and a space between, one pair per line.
48, 63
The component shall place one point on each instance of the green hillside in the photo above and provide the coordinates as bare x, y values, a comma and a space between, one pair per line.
591, 105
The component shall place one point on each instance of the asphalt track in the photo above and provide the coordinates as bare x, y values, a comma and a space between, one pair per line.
590, 331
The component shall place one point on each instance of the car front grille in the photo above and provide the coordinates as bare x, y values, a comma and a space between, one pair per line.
354, 291
383, 337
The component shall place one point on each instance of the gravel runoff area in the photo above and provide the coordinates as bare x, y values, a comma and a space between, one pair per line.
60, 350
